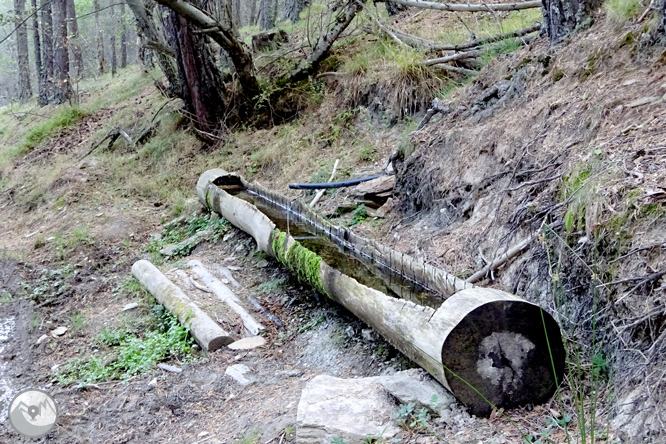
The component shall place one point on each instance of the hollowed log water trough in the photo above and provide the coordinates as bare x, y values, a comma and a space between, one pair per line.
488, 347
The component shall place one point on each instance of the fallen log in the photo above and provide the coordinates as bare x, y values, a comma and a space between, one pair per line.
471, 8
208, 334
227, 296
478, 341
452, 58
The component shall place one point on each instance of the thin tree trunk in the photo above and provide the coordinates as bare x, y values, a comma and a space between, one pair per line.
37, 47
123, 37
253, 12
201, 82
236, 14
25, 90
112, 41
100, 39
293, 9
267, 15
62, 83
76, 64
564, 16
154, 39
46, 76
481, 7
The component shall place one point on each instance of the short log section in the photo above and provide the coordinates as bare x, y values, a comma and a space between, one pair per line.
491, 349
208, 334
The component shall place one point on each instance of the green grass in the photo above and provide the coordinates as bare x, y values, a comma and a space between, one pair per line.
623, 11
65, 117
128, 355
194, 224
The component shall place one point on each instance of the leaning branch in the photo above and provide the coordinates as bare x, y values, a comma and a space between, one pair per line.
470, 8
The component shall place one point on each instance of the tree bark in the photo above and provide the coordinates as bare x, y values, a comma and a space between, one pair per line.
392, 8
201, 82
293, 9
154, 39
267, 15
76, 64
112, 41
37, 47
253, 12
100, 39
123, 37
25, 90
46, 76
470, 8
208, 334
564, 16
62, 84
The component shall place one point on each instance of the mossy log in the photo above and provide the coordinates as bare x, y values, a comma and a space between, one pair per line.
509, 350
208, 334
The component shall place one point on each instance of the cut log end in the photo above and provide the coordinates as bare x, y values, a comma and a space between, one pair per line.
504, 351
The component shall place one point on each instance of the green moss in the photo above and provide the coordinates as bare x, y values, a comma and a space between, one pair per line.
301, 261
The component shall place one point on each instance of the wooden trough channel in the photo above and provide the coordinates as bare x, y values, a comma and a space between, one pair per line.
488, 347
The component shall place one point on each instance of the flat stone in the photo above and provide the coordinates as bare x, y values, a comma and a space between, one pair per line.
629, 82
351, 409
262, 263
642, 101
58, 331
130, 306
241, 373
170, 368
247, 343
416, 386
380, 185
153, 383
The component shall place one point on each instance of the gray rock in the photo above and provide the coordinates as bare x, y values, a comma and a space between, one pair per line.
170, 368
416, 386
248, 343
130, 306
351, 409
240, 373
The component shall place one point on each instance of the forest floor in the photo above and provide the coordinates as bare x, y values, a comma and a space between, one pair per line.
583, 117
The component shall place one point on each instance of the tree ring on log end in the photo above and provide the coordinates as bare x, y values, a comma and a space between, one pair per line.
507, 352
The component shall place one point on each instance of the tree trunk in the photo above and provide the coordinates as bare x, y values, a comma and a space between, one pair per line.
46, 76
154, 39
76, 64
100, 39
25, 91
564, 16
62, 84
236, 14
253, 12
482, 7
267, 15
112, 41
123, 37
37, 47
481, 344
201, 81
391, 7
293, 9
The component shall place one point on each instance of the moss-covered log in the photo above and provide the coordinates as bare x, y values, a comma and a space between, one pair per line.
508, 349
208, 334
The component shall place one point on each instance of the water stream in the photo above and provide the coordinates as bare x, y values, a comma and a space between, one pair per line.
364, 269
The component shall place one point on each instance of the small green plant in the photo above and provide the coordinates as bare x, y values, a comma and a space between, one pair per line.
131, 355
270, 285
359, 215
6, 297
50, 285
77, 321
338, 440
192, 225
250, 437
366, 151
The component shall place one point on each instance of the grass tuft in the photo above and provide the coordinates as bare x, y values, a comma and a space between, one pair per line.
622, 11
67, 116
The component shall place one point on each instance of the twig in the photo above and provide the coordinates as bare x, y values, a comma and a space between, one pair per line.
381, 26
637, 250
199, 286
322, 191
451, 58
463, 71
534, 182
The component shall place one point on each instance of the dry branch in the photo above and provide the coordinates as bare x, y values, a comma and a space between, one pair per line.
471, 8
208, 334
323, 190
227, 296
452, 58
381, 26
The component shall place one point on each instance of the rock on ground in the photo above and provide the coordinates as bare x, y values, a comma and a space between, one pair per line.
354, 409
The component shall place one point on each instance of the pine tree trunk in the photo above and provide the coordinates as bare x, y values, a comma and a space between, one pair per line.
100, 39
37, 47
236, 14
293, 9
253, 12
200, 79
123, 37
25, 91
564, 16
76, 64
62, 84
112, 42
267, 15
46, 76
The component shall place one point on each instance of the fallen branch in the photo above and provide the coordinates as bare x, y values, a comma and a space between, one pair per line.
452, 58
227, 296
381, 26
208, 334
470, 8
457, 70
322, 191
278, 323
227, 274
437, 107
534, 182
